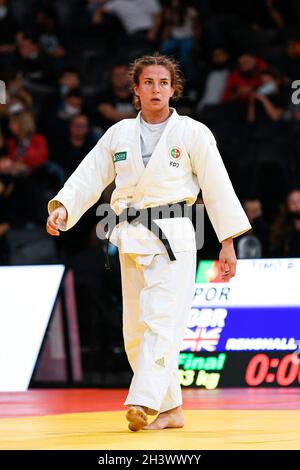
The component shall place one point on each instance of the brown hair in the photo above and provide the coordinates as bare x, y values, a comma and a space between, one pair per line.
282, 228
136, 68
26, 122
280, 231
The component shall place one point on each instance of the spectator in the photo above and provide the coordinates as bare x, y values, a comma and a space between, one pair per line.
33, 64
2, 143
8, 29
26, 150
292, 59
56, 125
260, 229
269, 101
115, 103
71, 106
285, 232
269, 14
24, 154
4, 224
267, 150
80, 141
46, 29
17, 204
216, 78
244, 79
102, 30
68, 81
18, 99
141, 20
181, 32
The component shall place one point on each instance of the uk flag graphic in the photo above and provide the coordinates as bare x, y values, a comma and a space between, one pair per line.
201, 339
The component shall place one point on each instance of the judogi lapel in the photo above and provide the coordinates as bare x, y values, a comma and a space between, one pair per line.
159, 151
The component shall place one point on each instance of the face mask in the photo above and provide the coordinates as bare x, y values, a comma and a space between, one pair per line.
64, 90
3, 12
267, 88
294, 215
71, 111
15, 108
33, 55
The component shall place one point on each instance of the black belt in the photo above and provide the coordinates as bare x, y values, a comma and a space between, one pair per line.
146, 216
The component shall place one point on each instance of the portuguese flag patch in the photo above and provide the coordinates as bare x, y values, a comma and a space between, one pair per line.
175, 153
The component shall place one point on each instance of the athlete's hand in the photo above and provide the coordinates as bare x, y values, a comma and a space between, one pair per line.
56, 219
227, 260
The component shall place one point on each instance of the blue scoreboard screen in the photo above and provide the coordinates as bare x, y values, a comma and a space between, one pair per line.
245, 332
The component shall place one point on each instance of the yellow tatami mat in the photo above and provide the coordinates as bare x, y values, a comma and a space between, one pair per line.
204, 429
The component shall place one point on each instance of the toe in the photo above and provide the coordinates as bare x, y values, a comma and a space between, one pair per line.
137, 418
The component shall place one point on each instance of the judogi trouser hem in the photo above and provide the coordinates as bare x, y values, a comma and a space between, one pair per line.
157, 296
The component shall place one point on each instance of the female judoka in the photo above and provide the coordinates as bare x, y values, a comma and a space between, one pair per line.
157, 159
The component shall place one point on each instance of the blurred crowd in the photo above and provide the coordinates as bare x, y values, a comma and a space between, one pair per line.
64, 65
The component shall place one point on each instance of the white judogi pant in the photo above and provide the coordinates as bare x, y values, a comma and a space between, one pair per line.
157, 296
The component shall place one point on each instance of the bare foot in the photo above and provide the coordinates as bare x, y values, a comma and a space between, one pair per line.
168, 419
137, 417
150, 411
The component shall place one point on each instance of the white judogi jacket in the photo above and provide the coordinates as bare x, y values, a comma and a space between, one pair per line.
185, 160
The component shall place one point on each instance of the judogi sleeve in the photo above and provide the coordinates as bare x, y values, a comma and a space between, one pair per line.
85, 185
222, 204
